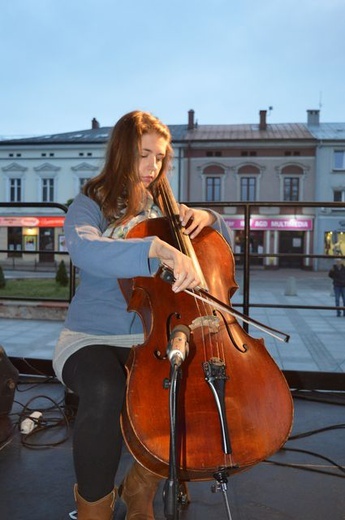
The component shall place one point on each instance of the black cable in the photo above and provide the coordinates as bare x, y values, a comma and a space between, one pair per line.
319, 397
314, 432
308, 434
170, 486
304, 468
43, 424
327, 459
45, 379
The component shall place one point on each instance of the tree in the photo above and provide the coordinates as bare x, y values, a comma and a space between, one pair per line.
61, 275
2, 279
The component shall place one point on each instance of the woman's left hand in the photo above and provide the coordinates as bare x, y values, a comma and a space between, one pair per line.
194, 220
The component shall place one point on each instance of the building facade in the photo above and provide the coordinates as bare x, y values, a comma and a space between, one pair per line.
251, 164
271, 166
330, 187
46, 170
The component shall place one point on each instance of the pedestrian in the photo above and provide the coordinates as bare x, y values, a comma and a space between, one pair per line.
98, 333
337, 273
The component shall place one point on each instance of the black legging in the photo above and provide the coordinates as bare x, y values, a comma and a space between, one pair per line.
97, 375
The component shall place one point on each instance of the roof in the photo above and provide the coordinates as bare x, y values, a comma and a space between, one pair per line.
180, 133
97, 135
90, 136
328, 131
249, 132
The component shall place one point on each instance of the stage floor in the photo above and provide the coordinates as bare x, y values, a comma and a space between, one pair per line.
301, 482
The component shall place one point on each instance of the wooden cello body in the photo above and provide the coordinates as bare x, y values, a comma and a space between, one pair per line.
257, 402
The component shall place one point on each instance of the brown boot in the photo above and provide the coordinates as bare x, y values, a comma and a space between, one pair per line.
138, 492
102, 509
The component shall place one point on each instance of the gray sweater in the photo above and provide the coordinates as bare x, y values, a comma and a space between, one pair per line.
98, 312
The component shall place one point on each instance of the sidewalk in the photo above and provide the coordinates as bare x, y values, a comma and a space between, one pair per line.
316, 336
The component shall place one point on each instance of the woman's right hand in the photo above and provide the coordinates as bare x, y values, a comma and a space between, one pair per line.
181, 265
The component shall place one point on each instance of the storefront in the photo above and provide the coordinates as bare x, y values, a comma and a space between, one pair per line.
331, 239
283, 235
31, 239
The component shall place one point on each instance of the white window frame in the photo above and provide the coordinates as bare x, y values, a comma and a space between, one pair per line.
11, 172
342, 161
82, 171
44, 172
17, 188
51, 189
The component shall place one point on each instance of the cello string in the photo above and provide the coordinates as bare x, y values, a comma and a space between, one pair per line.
211, 347
217, 351
184, 244
203, 338
205, 307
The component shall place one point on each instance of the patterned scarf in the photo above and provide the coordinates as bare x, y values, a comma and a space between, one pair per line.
150, 210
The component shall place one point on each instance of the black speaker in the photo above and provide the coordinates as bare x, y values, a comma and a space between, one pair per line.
8, 380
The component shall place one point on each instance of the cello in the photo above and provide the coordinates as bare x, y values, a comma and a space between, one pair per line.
234, 405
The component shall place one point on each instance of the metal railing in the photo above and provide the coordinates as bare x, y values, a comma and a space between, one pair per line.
247, 256
296, 379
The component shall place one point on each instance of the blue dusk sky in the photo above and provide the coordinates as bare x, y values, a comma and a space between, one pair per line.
64, 62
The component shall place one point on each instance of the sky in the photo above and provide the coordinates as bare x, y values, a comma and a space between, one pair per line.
64, 62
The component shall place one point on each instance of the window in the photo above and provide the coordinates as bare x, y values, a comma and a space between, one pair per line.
339, 196
15, 190
292, 182
245, 153
14, 241
248, 182
82, 182
248, 189
291, 189
339, 160
214, 154
47, 190
334, 243
213, 178
213, 189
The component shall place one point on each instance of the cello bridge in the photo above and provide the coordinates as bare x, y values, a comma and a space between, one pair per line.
212, 322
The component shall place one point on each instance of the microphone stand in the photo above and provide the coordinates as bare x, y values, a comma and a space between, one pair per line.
171, 487
177, 350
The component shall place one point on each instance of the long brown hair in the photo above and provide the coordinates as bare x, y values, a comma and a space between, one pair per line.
117, 189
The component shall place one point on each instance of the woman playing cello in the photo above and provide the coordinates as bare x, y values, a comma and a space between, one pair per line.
98, 333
